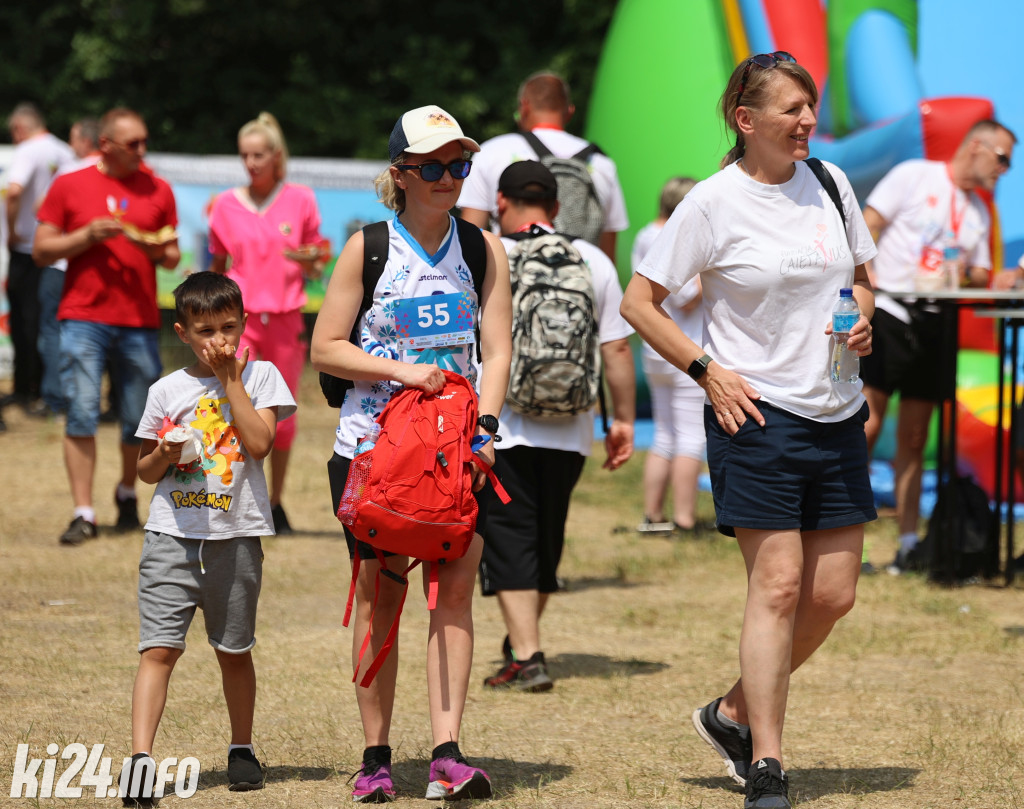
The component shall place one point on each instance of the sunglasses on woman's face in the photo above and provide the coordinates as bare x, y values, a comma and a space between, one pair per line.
763, 61
432, 172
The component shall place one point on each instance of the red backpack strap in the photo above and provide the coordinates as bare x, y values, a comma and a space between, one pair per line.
352, 588
373, 609
493, 478
433, 587
389, 641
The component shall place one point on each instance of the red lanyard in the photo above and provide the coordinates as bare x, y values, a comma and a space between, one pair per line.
954, 220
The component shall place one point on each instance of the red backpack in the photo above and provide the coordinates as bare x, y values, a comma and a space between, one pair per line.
418, 499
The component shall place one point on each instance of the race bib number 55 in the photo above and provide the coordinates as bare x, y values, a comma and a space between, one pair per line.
434, 320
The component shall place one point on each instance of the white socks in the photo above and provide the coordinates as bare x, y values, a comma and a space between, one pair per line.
908, 540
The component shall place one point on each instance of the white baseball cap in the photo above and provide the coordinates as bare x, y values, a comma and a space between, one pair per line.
424, 129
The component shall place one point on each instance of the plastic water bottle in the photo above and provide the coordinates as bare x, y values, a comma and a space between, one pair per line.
368, 440
845, 363
951, 263
358, 476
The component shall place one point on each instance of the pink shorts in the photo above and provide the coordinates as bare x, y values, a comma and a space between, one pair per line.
277, 337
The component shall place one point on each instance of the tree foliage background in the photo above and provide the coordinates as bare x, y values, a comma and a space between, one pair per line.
336, 74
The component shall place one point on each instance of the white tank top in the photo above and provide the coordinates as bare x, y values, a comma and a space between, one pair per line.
424, 310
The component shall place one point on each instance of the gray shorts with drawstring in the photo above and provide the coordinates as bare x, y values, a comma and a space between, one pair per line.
221, 576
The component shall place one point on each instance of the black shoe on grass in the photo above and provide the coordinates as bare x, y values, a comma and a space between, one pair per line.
137, 791
732, 744
245, 772
767, 786
78, 531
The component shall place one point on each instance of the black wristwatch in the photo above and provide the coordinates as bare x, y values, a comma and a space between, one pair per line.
489, 423
698, 367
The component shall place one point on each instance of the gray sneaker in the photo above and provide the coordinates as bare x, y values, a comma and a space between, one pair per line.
768, 786
732, 744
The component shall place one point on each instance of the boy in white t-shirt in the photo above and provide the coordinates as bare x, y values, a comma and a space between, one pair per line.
205, 432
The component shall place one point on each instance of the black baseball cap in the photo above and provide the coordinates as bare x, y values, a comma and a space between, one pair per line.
529, 180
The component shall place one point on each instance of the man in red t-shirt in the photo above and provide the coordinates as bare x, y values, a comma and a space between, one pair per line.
115, 224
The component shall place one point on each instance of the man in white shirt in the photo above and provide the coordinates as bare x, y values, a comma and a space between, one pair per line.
544, 108
539, 460
38, 155
919, 209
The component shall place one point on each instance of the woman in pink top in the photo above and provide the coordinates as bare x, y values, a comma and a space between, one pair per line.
270, 229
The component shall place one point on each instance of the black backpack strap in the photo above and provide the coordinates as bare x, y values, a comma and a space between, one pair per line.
587, 152
474, 250
536, 145
375, 256
829, 184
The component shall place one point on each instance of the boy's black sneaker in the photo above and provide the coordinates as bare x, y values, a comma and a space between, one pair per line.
140, 794
767, 786
127, 513
78, 531
732, 744
244, 771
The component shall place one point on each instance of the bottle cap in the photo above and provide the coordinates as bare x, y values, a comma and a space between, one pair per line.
845, 293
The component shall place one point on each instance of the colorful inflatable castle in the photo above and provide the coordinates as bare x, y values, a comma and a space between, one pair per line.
654, 109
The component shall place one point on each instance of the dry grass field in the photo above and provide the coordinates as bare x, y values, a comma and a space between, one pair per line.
916, 701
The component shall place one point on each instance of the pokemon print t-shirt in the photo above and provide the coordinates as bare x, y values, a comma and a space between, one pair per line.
222, 492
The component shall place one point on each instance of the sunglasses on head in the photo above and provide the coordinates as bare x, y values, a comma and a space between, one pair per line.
1001, 157
432, 172
763, 61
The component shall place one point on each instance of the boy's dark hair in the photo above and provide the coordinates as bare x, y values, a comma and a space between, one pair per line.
205, 293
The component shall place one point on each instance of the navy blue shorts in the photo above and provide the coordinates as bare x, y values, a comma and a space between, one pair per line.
793, 473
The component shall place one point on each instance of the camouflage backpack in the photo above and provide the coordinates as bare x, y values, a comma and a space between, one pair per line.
556, 353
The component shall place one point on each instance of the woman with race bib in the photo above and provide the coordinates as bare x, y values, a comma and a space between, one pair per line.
425, 277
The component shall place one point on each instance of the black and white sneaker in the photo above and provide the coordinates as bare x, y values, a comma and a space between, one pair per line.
734, 745
78, 532
767, 786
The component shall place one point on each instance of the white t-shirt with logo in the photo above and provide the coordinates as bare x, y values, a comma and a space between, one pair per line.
918, 200
223, 493
772, 259
571, 433
689, 321
33, 166
480, 190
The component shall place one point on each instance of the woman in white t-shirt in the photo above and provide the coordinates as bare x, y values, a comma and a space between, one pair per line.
786, 446
677, 450
426, 265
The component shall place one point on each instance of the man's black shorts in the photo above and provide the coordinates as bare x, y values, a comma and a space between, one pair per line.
905, 357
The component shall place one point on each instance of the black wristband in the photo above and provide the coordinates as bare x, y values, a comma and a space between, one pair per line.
698, 367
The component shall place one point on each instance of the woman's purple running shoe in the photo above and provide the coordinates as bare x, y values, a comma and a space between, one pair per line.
452, 779
374, 785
